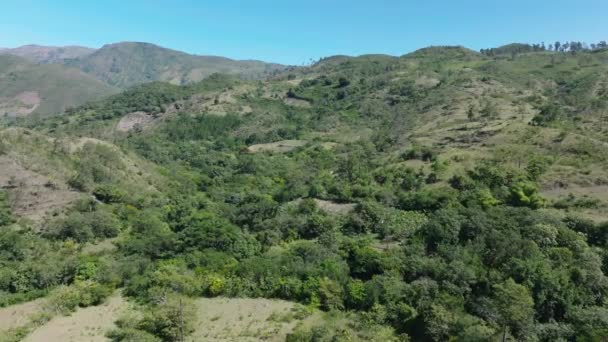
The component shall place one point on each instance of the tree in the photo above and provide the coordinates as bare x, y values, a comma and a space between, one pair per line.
515, 308
557, 45
343, 82
5, 210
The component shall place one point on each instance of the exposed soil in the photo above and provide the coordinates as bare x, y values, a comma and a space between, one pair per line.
32, 195
85, 325
19, 315
297, 102
279, 146
134, 120
331, 207
21, 105
244, 319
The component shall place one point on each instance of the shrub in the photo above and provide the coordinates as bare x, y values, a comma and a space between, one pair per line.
171, 320
5, 210
525, 194
65, 299
109, 194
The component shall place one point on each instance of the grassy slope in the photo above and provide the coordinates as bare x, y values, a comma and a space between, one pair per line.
424, 99
58, 87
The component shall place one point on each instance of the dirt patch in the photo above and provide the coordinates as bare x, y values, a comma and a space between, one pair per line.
77, 145
331, 207
244, 319
335, 208
22, 104
136, 120
555, 192
19, 315
297, 102
32, 195
427, 82
85, 325
279, 146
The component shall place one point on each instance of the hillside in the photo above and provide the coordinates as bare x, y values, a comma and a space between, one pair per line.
127, 64
440, 195
27, 88
48, 54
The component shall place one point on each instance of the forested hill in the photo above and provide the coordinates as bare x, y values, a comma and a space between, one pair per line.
441, 195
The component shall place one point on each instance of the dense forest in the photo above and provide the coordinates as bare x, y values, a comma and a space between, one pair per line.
441, 195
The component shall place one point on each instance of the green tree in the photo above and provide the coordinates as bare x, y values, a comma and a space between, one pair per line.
515, 308
5, 210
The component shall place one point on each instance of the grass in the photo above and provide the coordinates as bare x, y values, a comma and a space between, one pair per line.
244, 319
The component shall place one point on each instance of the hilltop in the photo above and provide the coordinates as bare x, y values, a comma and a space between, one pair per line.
131, 63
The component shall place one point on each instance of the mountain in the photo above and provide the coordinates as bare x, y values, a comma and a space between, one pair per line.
130, 63
441, 195
48, 54
26, 87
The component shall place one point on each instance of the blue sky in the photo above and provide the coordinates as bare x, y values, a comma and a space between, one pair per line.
293, 32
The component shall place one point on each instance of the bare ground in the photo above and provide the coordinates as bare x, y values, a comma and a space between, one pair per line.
22, 104
331, 207
85, 325
19, 315
33, 196
244, 319
134, 120
279, 146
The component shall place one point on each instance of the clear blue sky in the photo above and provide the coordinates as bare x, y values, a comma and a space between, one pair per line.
292, 31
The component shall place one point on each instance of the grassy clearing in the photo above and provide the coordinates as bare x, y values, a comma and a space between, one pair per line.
244, 319
85, 325
277, 147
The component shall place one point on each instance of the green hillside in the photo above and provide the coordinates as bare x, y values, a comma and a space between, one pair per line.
44, 89
444, 195
127, 64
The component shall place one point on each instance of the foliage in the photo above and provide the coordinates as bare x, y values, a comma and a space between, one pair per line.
5, 210
171, 320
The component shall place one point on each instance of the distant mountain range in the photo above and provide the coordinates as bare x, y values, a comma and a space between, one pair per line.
48, 54
80, 74
127, 64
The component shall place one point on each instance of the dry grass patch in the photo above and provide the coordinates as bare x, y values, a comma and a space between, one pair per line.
85, 325
33, 196
278, 147
19, 315
245, 319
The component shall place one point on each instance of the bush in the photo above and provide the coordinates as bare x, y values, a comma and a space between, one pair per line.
65, 299
525, 194
5, 210
109, 194
171, 320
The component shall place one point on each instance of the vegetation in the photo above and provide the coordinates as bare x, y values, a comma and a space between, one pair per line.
44, 89
443, 164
